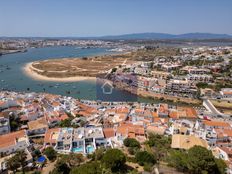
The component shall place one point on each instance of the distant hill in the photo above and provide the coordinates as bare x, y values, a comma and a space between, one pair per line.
141, 36
168, 36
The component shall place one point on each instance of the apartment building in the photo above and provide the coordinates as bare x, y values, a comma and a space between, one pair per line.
200, 77
160, 74
77, 140
180, 87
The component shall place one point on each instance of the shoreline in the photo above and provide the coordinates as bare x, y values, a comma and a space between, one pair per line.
155, 96
31, 72
27, 69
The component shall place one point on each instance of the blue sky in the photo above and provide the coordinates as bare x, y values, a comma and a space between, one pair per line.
113, 17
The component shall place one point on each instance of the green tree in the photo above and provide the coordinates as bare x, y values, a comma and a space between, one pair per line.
197, 160
66, 123
14, 122
202, 85
13, 164
50, 153
221, 166
160, 144
21, 156
131, 142
61, 167
144, 157
98, 154
133, 150
179, 160
113, 70
88, 168
201, 160
36, 153
114, 159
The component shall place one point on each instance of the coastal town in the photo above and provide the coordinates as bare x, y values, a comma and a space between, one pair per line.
9, 46
196, 73
115, 87
186, 74
192, 111
36, 121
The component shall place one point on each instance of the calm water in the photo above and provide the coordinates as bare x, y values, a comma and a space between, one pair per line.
13, 78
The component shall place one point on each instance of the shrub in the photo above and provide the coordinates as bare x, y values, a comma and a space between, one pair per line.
50, 153
144, 157
114, 159
131, 142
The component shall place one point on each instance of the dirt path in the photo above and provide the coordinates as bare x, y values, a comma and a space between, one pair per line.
48, 167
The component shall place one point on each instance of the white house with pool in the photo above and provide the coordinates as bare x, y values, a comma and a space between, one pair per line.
77, 140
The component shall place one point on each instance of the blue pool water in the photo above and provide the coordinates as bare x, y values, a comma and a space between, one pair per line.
90, 149
41, 159
77, 149
69, 129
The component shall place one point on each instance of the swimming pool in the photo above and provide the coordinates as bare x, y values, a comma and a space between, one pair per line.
77, 149
90, 149
41, 159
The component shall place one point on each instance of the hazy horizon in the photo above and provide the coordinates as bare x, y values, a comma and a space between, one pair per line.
94, 18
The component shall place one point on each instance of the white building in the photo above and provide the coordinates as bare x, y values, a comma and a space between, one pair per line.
226, 93
4, 125
12, 142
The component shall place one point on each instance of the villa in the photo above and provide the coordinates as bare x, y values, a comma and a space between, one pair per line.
38, 126
11, 142
77, 140
187, 141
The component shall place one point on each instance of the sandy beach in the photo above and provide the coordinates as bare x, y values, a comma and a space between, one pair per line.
28, 70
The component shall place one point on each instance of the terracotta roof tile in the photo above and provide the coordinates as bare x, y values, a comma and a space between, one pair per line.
108, 132
48, 135
216, 123
10, 139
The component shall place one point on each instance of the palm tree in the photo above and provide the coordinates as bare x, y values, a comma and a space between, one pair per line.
22, 159
13, 164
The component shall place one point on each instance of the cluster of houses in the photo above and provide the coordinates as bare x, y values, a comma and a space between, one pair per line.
94, 124
178, 75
